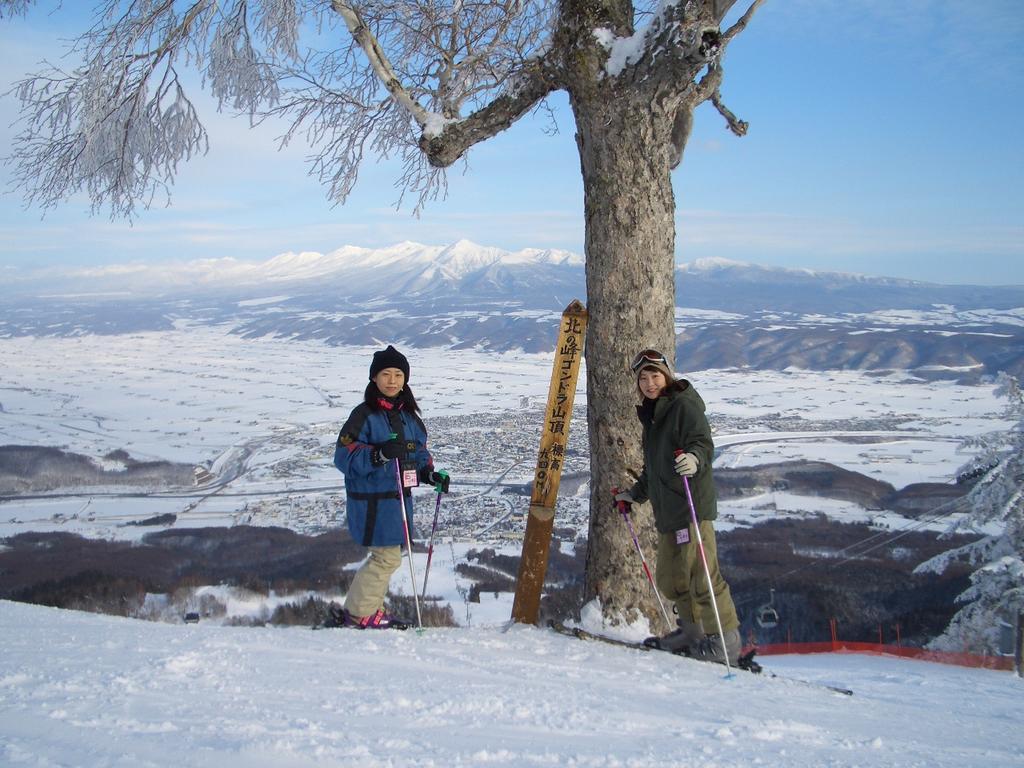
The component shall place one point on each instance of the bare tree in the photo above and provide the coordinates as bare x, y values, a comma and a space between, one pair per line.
424, 80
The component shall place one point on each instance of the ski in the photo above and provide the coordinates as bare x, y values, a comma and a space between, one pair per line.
745, 662
828, 687
583, 634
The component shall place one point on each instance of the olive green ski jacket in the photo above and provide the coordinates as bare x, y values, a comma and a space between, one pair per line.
678, 422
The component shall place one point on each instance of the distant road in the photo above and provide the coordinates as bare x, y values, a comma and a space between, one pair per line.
234, 465
722, 441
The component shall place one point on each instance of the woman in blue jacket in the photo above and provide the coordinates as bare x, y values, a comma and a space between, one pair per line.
384, 428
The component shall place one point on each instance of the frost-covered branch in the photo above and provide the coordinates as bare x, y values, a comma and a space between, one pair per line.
399, 76
413, 75
117, 125
420, 80
380, 63
444, 147
12, 8
996, 503
115, 133
458, 72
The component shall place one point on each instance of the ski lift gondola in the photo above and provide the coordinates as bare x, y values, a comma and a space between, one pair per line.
767, 616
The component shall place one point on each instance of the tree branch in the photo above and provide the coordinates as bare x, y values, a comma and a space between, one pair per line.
708, 88
444, 138
741, 23
737, 126
380, 63
445, 147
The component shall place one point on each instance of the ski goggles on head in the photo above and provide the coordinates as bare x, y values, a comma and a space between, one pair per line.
648, 357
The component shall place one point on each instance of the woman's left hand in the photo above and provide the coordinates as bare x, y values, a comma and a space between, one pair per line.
686, 464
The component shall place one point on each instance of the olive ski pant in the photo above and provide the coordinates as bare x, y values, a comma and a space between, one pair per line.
679, 574
370, 585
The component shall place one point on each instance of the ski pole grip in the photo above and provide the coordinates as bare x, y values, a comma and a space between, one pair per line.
439, 485
622, 506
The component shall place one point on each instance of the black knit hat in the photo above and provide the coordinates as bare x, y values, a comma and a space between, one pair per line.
389, 358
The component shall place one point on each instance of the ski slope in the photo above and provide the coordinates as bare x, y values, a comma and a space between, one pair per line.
81, 689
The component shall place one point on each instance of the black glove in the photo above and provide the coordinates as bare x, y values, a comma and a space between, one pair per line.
385, 452
439, 480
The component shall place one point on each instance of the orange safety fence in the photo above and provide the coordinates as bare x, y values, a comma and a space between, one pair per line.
843, 646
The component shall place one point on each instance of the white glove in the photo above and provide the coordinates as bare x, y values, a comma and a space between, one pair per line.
624, 496
686, 464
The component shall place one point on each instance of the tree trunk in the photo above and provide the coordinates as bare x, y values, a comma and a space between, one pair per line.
624, 144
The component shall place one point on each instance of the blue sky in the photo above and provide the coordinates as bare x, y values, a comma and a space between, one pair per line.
884, 139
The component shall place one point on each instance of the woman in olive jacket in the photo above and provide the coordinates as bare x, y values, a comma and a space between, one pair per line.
677, 444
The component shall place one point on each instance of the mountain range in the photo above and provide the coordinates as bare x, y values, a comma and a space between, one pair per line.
730, 314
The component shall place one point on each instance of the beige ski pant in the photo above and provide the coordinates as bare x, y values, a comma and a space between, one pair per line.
370, 585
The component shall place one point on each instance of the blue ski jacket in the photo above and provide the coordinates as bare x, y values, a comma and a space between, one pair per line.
371, 491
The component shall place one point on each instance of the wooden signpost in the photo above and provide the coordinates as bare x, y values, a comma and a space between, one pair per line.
553, 441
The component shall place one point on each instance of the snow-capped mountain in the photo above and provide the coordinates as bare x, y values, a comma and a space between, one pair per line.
731, 314
404, 269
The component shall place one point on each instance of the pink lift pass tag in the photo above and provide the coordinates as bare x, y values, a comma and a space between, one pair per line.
683, 536
410, 478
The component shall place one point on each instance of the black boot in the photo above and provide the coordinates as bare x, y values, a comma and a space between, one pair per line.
680, 640
710, 648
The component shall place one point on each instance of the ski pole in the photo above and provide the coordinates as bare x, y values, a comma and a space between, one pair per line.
408, 541
433, 529
624, 511
707, 571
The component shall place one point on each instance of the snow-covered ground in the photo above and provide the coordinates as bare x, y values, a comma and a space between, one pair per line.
81, 689
446, 586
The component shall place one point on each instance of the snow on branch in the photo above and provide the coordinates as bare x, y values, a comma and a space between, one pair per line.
461, 72
420, 80
686, 31
379, 61
524, 94
996, 503
400, 75
115, 127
